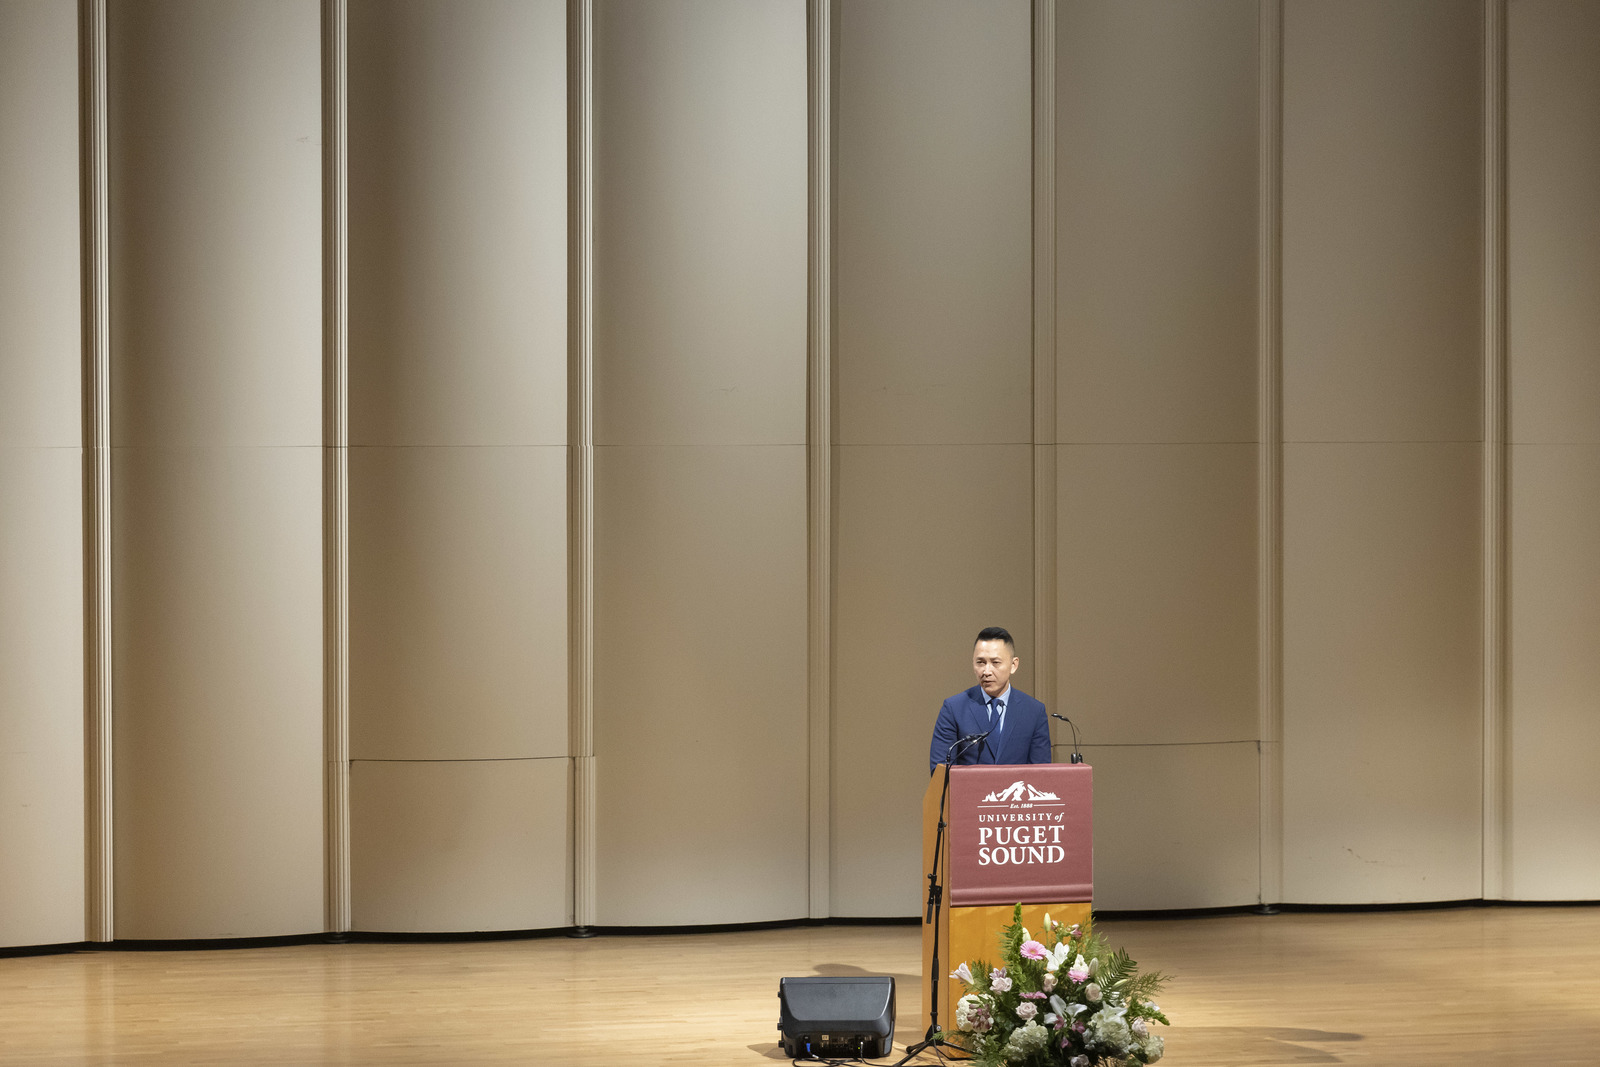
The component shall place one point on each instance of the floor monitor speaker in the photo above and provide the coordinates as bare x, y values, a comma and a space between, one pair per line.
842, 1017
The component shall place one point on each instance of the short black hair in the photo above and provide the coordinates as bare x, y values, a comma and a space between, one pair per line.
996, 633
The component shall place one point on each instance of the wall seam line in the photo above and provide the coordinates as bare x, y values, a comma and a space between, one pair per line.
580, 437
819, 454
1044, 352
1269, 407
336, 461
456, 759
1494, 451
100, 866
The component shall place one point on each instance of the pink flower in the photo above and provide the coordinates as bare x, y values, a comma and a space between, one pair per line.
1027, 1010
999, 981
1079, 971
1033, 950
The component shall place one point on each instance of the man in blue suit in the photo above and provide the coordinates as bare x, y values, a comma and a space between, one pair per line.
1015, 722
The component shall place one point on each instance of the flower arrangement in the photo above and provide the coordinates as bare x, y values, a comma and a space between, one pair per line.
1066, 1001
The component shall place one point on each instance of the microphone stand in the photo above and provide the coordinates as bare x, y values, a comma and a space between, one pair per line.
936, 900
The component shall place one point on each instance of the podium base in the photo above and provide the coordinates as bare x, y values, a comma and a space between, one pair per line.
974, 934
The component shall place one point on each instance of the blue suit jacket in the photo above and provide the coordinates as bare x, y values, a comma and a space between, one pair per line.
1026, 738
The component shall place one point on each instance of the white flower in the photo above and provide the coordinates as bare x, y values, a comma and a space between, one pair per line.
1078, 1061
1094, 967
1058, 1005
1092, 992
1138, 1026
1048, 982
1058, 955
962, 972
1151, 1046
1079, 971
1026, 1040
999, 981
1108, 1032
973, 1014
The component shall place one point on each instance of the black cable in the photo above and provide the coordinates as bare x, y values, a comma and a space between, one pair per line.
849, 1062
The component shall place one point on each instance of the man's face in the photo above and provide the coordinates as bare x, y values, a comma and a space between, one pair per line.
993, 663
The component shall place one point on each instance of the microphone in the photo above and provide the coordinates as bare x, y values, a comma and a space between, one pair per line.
1077, 757
964, 744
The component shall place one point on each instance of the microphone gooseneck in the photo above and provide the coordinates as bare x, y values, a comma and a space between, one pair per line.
1077, 754
964, 744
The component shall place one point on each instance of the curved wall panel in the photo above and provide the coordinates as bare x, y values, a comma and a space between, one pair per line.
458, 496
1554, 334
700, 405
215, 164
41, 559
1382, 365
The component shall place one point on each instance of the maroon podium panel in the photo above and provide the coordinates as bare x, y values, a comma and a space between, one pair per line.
1021, 833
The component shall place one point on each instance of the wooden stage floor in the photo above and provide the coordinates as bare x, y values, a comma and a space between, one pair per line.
1415, 988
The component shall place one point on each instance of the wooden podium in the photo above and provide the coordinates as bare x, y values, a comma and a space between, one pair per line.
1014, 834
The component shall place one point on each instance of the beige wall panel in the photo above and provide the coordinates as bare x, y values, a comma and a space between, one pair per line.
41, 463
446, 847
458, 222
934, 543
458, 603
934, 222
1175, 826
700, 222
1381, 673
216, 222
1554, 220
1156, 174
39, 354
1382, 117
41, 696
700, 684
1157, 601
1554, 676
218, 691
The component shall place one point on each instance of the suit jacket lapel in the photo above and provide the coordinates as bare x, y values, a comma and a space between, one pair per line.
978, 718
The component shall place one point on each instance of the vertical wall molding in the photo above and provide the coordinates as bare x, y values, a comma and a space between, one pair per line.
1269, 407
819, 449
1044, 351
336, 458
580, 438
1494, 448
99, 869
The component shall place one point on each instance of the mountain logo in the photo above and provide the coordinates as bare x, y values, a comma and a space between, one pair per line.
1014, 792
